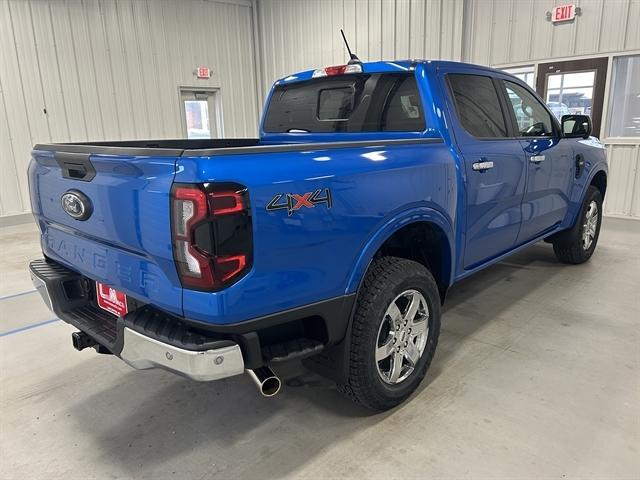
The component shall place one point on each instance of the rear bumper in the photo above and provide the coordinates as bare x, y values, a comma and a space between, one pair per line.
142, 352
143, 341
148, 337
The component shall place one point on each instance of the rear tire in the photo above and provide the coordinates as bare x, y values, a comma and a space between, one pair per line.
394, 333
577, 245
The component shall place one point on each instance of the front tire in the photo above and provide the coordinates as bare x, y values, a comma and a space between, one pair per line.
577, 245
394, 333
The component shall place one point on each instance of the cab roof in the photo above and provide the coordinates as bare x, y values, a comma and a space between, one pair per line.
385, 66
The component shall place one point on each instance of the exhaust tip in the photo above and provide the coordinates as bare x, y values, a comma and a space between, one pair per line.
267, 381
270, 387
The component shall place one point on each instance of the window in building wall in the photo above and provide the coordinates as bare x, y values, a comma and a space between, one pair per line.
570, 93
197, 117
624, 99
526, 74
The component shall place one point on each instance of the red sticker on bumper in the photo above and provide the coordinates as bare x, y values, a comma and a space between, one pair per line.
111, 300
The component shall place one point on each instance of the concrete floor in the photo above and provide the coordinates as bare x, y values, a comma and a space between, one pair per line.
537, 375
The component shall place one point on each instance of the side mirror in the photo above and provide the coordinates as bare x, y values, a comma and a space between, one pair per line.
576, 126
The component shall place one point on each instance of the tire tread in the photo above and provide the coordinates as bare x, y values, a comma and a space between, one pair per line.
568, 245
380, 274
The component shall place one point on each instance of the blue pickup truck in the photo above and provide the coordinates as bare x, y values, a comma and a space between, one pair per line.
332, 238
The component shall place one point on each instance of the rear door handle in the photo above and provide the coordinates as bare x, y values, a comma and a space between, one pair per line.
536, 158
482, 166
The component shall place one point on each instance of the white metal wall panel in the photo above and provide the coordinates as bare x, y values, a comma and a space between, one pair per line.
297, 35
110, 69
14, 195
587, 28
615, 22
512, 31
10, 199
623, 189
632, 39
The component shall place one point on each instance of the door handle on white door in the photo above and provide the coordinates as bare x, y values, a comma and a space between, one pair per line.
536, 158
482, 166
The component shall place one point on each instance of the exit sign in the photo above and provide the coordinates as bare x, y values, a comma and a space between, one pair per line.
203, 72
563, 13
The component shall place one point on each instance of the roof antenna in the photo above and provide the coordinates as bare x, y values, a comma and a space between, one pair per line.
353, 59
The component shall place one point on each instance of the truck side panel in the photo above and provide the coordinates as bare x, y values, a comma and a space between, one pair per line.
308, 254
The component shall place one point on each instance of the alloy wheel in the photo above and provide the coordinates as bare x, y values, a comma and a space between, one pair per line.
402, 337
590, 225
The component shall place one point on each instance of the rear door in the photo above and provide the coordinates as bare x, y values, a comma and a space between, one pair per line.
122, 238
494, 165
549, 162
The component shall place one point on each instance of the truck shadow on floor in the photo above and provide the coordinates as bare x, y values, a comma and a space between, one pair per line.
153, 423
210, 428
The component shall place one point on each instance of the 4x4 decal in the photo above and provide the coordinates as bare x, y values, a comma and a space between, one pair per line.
295, 201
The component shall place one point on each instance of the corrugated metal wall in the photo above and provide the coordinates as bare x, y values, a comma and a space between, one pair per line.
299, 35
111, 70
511, 31
623, 190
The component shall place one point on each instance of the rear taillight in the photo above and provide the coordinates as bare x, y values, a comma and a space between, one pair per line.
212, 234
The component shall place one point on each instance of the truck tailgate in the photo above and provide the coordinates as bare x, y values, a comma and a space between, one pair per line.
125, 241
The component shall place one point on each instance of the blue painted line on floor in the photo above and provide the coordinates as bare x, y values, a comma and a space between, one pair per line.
28, 327
17, 295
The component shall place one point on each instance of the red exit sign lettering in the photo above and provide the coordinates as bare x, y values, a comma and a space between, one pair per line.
203, 72
563, 13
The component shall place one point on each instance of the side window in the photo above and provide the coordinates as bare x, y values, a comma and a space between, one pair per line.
533, 119
478, 105
403, 112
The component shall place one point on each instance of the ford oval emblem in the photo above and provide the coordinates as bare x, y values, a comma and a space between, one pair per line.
76, 204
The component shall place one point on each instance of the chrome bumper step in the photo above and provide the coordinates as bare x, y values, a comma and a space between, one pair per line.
142, 352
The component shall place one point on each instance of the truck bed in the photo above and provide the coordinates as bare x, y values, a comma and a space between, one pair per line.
169, 148
208, 147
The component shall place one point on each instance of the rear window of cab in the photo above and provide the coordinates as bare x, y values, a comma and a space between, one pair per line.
378, 102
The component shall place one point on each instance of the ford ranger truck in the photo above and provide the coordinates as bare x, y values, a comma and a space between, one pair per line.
333, 237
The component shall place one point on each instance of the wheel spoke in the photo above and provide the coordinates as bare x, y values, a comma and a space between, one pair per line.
385, 350
412, 354
412, 309
590, 226
396, 368
420, 326
394, 313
